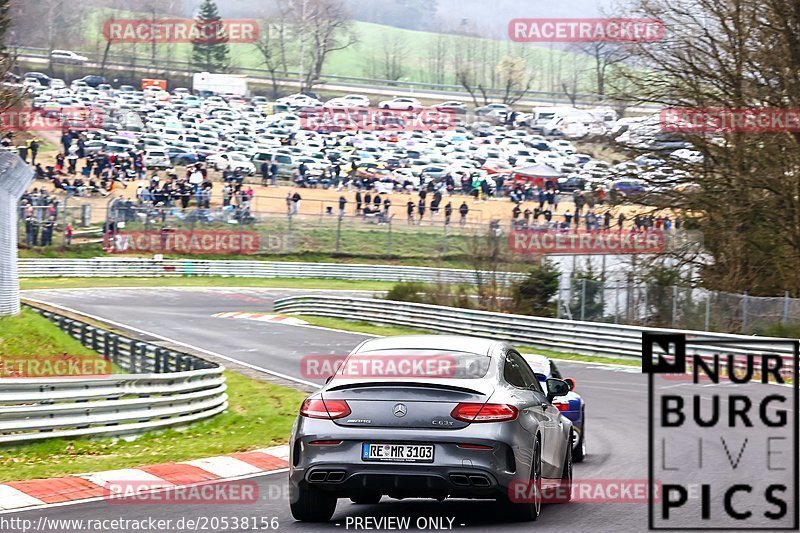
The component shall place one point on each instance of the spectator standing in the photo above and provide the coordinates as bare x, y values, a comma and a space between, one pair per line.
410, 211
72, 158
448, 212
358, 202
273, 170
463, 211
47, 232
421, 208
296, 203
342, 203
33, 148
264, 173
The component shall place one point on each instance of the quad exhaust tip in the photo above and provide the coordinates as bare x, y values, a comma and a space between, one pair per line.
327, 476
472, 480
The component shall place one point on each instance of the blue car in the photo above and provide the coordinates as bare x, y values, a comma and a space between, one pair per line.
571, 405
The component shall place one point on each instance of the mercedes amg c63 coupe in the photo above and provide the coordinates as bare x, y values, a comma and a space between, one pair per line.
430, 416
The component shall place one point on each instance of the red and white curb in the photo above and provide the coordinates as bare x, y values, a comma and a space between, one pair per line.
262, 317
39, 492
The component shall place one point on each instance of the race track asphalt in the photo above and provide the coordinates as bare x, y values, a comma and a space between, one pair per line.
616, 400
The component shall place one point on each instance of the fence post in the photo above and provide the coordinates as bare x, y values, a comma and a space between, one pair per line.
558, 300
708, 312
583, 298
289, 236
785, 317
616, 304
646, 309
389, 240
744, 313
674, 304
338, 233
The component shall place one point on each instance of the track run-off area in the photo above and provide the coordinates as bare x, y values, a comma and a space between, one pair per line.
616, 399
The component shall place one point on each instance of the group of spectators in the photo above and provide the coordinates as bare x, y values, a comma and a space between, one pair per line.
39, 211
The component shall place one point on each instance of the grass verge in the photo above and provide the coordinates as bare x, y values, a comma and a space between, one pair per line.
260, 414
30, 334
358, 255
205, 281
385, 331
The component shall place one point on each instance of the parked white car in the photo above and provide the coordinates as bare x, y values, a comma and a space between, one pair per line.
67, 56
156, 159
299, 100
350, 100
401, 103
232, 161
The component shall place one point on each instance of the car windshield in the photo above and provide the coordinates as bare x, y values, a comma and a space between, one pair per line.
414, 364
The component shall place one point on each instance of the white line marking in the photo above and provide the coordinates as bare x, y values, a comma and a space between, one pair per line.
167, 339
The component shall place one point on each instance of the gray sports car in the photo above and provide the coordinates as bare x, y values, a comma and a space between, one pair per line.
430, 416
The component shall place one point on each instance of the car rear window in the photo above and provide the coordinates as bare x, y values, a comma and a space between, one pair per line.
415, 364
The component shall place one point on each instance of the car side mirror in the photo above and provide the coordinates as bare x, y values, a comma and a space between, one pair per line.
570, 382
556, 387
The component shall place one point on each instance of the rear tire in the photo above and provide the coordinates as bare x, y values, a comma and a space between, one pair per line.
579, 453
527, 511
366, 499
313, 505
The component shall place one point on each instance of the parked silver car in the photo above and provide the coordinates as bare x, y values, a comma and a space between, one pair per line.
467, 418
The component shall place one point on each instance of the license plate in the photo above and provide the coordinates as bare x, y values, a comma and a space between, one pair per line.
397, 453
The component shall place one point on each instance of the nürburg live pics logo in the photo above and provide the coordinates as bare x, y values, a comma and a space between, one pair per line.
722, 439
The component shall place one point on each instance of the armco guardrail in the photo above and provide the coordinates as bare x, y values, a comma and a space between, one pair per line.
163, 388
119, 267
589, 338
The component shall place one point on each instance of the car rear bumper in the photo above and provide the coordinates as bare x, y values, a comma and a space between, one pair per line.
401, 481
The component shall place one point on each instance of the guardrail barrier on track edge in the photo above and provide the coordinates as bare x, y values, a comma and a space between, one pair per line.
162, 388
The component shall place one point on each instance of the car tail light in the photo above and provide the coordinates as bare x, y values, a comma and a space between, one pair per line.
332, 409
562, 406
490, 412
325, 442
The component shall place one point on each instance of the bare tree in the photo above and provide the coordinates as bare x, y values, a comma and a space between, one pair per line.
272, 44
437, 57
514, 78
393, 57
743, 194
604, 56
329, 27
